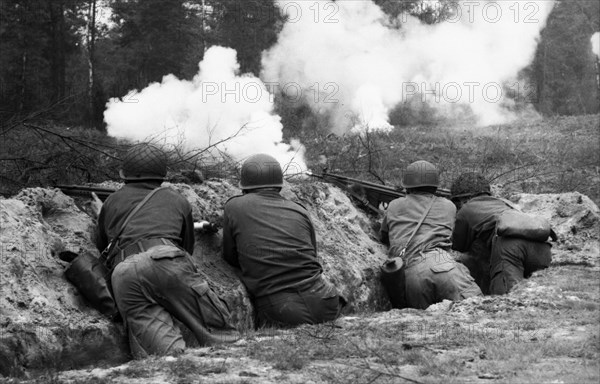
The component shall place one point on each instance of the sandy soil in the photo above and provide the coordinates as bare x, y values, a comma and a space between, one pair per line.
546, 330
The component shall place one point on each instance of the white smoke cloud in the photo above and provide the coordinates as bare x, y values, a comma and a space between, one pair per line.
217, 105
364, 67
596, 43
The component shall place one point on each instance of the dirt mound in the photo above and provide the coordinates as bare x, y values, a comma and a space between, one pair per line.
45, 322
576, 220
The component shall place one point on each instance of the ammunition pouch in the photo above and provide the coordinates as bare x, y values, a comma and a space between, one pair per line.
393, 280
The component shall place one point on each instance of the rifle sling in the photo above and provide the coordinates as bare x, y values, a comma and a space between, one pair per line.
418, 225
115, 240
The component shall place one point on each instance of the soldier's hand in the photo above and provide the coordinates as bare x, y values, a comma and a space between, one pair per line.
96, 205
206, 227
211, 228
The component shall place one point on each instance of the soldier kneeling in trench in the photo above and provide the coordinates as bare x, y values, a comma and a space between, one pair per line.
497, 257
418, 228
271, 240
147, 234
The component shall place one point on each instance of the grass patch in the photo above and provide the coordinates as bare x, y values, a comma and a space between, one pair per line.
445, 365
588, 349
189, 368
512, 351
414, 357
549, 155
293, 350
139, 368
285, 355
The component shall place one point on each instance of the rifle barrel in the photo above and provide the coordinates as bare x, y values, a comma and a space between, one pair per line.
379, 187
362, 182
84, 190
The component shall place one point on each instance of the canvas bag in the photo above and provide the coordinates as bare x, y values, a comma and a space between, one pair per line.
514, 223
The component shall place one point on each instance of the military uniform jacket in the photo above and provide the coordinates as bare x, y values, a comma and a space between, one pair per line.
403, 215
166, 215
476, 223
272, 241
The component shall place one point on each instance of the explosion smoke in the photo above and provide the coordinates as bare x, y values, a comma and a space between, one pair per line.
218, 107
370, 65
596, 43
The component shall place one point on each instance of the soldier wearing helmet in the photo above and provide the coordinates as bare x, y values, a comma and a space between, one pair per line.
497, 263
418, 228
153, 277
272, 242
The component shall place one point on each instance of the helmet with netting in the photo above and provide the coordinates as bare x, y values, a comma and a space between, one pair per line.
470, 184
144, 162
420, 174
261, 171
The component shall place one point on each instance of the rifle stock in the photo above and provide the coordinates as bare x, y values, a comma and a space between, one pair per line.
368, 193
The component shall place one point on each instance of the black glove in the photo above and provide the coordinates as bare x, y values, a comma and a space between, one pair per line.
210, 228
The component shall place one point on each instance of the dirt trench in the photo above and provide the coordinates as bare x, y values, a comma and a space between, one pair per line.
45, 324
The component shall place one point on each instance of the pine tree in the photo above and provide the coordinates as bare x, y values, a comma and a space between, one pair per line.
564, 68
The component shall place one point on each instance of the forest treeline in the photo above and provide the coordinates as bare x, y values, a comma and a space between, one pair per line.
68, 57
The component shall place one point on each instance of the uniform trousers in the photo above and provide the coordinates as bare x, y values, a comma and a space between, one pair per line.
152, 288
434, 276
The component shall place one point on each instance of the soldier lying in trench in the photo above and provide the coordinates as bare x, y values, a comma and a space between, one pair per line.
146, 232
272, 242
418, 229
498, 255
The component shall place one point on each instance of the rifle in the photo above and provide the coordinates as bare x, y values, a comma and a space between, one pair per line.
85, 191
370, 194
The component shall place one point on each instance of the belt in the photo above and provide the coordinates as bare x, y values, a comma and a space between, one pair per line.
439, 253
142, 246
304, 287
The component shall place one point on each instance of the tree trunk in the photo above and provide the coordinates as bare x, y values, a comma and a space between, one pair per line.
598, 80
91, 40
23, 82
541, 86
57, 58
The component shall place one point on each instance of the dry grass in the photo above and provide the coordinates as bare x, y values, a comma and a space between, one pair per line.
510, 345
541, 156
514, 338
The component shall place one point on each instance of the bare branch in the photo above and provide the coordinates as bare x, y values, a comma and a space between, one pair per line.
36, 114
65, 139
197, 152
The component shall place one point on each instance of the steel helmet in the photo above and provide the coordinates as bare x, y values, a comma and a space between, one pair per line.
469, 184
261, 171
421, 174
144, 162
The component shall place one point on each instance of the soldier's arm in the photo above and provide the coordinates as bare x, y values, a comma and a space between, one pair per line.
384, 234
100, 236
229, 247
187, 233
460, 235
313, 236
